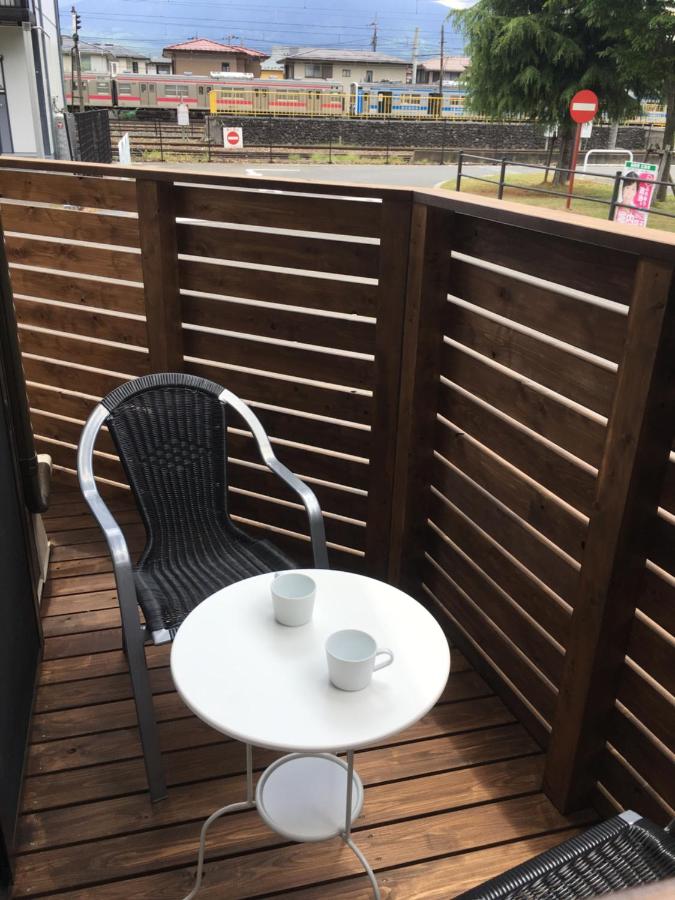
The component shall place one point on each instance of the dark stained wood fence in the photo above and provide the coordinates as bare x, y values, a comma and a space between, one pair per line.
483, 399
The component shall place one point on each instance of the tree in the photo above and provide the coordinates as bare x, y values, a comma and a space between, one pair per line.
529, 58
641, 38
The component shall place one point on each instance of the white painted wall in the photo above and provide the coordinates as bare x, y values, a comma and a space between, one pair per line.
19, 95
21, 82
357, 71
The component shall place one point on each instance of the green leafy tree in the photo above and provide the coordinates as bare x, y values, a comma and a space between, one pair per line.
641, 41
529, 58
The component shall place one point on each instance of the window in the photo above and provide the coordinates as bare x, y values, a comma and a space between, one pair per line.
134, 66
113, 68
102, 86
318, 70
411, 99
177, 90
123, 88
224, 67
369, 75
152, 88
85, 62
346, 73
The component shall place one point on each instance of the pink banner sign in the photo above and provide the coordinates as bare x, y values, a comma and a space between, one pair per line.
637, 191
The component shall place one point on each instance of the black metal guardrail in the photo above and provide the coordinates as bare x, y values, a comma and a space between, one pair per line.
502, 183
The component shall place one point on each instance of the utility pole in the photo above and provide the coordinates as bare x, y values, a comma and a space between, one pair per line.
440, 74
373, 40
76, 62
415, 46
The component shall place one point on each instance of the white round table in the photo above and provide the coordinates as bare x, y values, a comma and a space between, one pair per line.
267, 685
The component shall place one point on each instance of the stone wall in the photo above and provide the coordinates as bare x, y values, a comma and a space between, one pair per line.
397, 133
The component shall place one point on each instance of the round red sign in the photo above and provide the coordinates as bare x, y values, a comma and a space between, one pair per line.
584, 106
233, 137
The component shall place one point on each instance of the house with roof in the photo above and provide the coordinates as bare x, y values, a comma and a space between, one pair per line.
429, 71
201, 56
110, 58
344, 66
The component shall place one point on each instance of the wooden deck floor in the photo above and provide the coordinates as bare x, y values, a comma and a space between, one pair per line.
450, 802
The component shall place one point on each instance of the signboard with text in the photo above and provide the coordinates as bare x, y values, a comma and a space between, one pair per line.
637, 191
233, 138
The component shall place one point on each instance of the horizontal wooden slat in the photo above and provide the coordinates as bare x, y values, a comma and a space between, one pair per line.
538, 507
668, 491
653, 652
65, 455
661, 549
589, 326
62, 375
68, 224
331, 499
304, 462
510, 532
77, 190
332, 435
502, 569
657, 600
83, 322
73, 350
494, 604
69, 432
557, 422
644, 755
307, 291
651, 706
79, 258
294, 519
333, 215
108, 295
327, 331
289, 251
493, 645
298, 362
60, 403
607, 274
571, 376
629, 790
566, 479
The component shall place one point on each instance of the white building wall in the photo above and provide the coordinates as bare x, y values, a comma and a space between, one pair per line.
357, 71
18, 79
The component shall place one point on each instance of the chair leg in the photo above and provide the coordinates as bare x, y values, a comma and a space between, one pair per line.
134, 645
147, 723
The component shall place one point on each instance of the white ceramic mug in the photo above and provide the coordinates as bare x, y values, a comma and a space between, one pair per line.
351, 659
293, 598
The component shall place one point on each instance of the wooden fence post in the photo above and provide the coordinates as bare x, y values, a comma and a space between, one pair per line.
391, 298
629, 483
159, 258
428, 271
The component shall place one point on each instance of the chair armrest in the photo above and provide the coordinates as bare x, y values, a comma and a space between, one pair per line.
306, 494
112, 532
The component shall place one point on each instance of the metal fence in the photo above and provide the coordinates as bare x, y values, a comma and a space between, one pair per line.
617, 179
92, 136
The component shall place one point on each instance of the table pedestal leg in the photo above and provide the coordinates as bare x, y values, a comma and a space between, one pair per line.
346, 835
249, 803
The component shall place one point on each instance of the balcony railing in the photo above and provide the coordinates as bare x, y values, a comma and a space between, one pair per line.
482, 396
15, 10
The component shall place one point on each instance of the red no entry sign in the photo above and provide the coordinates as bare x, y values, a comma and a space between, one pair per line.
233, 138
583, 106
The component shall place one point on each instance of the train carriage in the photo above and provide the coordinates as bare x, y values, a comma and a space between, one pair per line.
407, 101
97, 89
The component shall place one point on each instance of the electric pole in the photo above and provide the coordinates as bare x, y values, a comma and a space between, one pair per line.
76, 63
373, 40
416, 41
440, 74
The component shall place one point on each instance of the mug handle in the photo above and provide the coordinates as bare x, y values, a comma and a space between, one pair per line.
386, 662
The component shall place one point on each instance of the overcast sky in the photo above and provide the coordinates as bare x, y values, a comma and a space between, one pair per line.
151, 24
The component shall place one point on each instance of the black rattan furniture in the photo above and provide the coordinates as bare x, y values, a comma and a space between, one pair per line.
170, 431
626, 851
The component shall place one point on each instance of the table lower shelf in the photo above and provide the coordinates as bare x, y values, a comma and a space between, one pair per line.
303, 797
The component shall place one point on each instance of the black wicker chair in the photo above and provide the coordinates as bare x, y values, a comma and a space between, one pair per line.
626, 851
170, 431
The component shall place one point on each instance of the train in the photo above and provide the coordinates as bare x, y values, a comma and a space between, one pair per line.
261, 97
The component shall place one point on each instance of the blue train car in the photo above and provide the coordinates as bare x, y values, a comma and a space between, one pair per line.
416, 101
